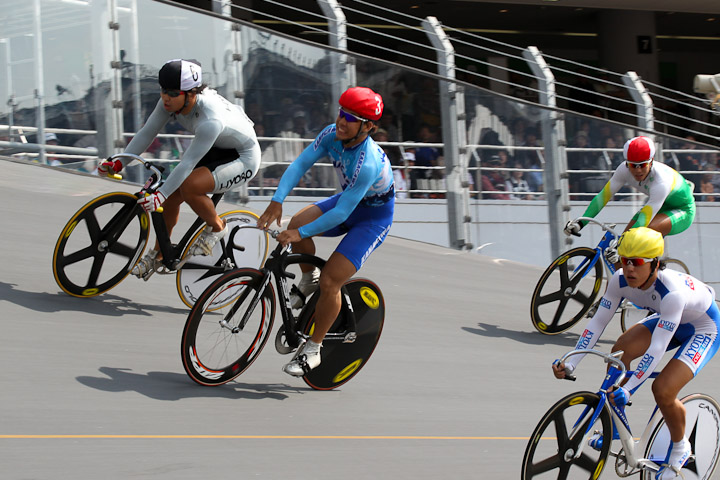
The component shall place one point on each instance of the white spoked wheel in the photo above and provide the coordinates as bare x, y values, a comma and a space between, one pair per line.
702, 428
192, 282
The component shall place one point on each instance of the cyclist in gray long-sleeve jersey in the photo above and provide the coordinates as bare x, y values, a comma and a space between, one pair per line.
224, 154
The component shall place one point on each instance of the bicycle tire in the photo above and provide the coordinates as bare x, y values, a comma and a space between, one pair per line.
191, 282
343, 361
564, 287
554, 441
214, 355
702, 418
630, 314
77, 246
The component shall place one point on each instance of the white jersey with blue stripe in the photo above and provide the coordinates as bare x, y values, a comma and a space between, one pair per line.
363, 171
679, 300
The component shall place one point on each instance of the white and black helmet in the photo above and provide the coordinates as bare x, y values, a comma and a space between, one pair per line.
180, 74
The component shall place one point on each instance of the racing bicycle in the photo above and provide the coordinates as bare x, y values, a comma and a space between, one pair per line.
567, 289
102, 242
218, 344
574, 438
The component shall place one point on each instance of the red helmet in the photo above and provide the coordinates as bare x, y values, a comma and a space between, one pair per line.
639, 150
363, 101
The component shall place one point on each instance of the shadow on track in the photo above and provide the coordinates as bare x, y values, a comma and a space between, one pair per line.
169, 386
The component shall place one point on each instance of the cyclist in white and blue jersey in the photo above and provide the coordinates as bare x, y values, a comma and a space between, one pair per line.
686, 317
362, 211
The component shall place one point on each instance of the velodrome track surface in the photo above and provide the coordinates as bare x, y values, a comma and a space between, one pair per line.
95, 388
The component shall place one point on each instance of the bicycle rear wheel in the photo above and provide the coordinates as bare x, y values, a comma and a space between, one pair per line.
631, 314
559, 436
192, 282
216, 346
100, 244
565, 279
342, 361
702, 428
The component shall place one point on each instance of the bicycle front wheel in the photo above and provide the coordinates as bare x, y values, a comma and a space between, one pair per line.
702, 428
631, 314
218, 344
100, 244
554, 445
191, 282
566, 291
342, 361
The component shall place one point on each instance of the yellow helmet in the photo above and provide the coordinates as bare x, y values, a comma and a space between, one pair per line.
641, 242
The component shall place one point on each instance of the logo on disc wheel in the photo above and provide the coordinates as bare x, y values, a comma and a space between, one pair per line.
347, 371
369, 297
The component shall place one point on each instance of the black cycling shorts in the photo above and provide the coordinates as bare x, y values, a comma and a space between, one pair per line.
216, 157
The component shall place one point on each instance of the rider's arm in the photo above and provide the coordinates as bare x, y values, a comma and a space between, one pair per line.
145, 136
616, 182
206, 134
596, 326
292, 175
349, 199
671, 307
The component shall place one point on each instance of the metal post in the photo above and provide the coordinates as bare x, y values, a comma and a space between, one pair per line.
39, 83
452, 106
135, 45
641, 97
553, 134
342, 68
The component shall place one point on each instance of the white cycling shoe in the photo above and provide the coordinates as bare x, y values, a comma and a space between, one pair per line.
147, 265
308, 285
679, 455
307, 358
206, 241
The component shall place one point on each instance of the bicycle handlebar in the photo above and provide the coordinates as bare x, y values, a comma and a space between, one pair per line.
612, 358
605, 226
146, 163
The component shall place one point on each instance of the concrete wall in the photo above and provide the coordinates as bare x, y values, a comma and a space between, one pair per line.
518, 230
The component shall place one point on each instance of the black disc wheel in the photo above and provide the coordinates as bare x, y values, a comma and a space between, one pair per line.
566, 291
100, 245
552, 452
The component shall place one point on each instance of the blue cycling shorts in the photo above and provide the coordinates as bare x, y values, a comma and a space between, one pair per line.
365, 229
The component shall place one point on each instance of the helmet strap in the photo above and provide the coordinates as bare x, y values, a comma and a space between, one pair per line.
653, 270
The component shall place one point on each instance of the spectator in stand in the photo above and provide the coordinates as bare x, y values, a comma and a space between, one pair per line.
388, 122
492, 180
400, 176
424, 157
517, 185
52, 139
580, 161
690, 162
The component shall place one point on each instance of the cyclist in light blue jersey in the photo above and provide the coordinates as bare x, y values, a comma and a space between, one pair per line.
362, 212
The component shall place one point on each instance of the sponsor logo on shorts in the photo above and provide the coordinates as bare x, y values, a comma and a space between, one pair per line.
669, 326
584, 340
643, 365
697, 347
605, 303
237, 180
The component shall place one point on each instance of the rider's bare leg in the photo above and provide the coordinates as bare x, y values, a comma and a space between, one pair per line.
662, 223
194, 191
336, 272
665, 388
633, 343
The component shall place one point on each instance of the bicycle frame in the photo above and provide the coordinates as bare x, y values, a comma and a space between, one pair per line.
276, 266
170, 252
616, 373
604, 242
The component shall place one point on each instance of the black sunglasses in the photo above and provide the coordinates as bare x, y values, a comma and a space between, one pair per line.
172, 93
